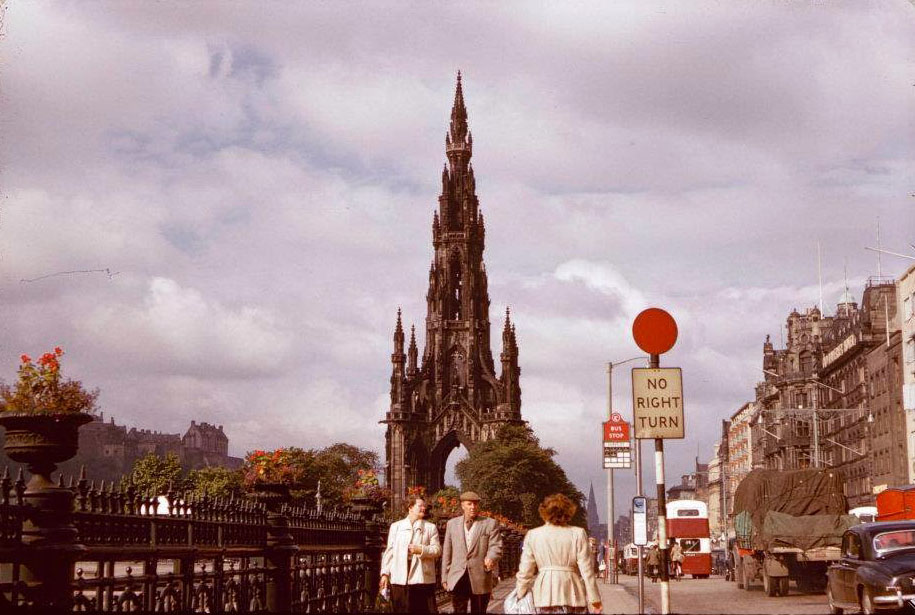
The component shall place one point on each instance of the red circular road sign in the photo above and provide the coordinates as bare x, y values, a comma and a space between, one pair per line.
655, 331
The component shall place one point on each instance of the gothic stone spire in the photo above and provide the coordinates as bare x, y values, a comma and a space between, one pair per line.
455, 395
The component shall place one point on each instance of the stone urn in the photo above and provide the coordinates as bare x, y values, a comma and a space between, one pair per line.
365, 507
41, 441
271, 495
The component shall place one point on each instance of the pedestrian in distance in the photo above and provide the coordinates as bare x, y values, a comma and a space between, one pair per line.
676, 559
603, 559
594, 545
557, 565
470, 557
408, 561
653, 560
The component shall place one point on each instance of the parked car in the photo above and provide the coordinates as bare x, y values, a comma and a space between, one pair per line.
875, 570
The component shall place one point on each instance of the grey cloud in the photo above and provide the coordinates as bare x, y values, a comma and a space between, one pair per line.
283, 166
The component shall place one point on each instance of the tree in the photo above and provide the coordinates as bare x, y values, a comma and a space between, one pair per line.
337, 467
152, 475
512, 473
216, 482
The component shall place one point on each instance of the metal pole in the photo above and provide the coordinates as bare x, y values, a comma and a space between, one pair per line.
662, 512
610, 504
816, 431
640, 548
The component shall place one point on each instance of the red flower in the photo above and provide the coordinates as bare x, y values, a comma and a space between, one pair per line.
58, 350
25, 359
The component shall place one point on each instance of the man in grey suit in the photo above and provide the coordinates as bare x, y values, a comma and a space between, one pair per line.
470, 557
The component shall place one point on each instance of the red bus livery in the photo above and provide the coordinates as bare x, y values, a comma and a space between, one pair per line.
687, 523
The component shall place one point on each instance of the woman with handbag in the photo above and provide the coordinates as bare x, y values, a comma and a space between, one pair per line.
557, 566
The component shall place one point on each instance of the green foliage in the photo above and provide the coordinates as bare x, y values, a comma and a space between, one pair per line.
285, 466
337, 467
152, 475
513, 473
216, 482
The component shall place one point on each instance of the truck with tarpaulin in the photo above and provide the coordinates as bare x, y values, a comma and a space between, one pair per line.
789, 525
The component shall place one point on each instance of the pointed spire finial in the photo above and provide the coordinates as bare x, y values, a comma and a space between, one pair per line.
456, 139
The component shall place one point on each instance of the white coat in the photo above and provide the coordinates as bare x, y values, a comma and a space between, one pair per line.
557, 567
421, 566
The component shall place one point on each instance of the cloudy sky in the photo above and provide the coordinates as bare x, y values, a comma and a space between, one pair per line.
243, 194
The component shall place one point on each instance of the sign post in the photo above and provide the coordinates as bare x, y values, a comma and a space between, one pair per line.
657, 406
617, 454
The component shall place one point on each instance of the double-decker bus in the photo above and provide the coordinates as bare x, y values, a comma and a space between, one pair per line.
630, 563
687, 523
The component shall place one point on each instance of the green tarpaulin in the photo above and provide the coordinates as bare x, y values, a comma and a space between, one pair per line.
803, 509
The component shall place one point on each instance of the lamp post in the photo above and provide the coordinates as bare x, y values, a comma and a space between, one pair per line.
611, 534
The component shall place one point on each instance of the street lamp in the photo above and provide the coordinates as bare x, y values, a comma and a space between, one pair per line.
638, 460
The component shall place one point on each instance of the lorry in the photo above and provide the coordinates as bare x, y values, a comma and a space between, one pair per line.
789, 525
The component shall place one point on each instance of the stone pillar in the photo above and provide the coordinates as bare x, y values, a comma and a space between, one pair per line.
280, 551
373, 546
281, 548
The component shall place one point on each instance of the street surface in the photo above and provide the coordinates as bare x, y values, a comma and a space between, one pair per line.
698, 596
712, 595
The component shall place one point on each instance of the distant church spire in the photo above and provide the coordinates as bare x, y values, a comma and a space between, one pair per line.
593, 517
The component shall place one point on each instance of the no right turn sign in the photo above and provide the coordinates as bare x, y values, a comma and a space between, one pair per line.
657, 402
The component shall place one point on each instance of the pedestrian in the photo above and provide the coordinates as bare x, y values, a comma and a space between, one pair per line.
676, 559
595, 553
557, 564
470, 557
654, 562
408, 562
603, 551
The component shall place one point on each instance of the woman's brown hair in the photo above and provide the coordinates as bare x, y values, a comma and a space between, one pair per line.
557, 509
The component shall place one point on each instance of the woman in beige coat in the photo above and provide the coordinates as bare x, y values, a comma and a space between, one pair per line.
556, 563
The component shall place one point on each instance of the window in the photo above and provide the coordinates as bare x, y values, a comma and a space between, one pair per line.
910, 350
889, 541
907, 307
852, 546
690, 545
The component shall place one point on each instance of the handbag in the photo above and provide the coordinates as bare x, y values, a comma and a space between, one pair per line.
518, 606
602, 566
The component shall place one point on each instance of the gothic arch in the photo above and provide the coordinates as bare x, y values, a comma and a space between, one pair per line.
438, 459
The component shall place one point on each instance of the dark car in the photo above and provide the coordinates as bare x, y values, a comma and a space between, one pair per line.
876, 569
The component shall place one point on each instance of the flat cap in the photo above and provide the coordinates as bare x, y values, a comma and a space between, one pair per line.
470, 496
